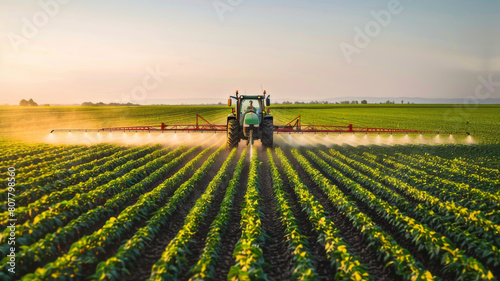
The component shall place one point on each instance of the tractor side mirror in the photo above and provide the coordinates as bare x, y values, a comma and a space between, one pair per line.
268, 102
229, 102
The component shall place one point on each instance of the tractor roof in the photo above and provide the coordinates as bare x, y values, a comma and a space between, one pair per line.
252, 97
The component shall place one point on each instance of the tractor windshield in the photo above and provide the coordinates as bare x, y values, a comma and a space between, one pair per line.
250, 105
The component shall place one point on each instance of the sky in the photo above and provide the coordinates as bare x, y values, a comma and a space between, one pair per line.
72, 51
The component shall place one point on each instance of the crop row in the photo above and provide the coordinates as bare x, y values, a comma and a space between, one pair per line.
464, 165
64, 211
49, 246
23, 175
85, 252
49, 155
248, 250
457, 190
174, 258
205, 267
430, 212
52, 175
482, 221
389, 250
61, 157
131, 250
31, 151
455, 174
15, 150
460, 193
424, 238
121, 166
347, 266
303, 268
68, 164
84, 172
128, 212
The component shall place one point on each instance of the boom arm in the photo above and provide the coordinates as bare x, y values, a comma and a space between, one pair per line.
294, 126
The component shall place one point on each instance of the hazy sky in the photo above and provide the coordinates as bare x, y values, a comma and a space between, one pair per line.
71, 51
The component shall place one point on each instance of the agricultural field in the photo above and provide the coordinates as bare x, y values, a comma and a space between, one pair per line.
315, 207
33, 124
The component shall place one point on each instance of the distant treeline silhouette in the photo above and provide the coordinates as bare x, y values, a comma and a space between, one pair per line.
109, 104
31, 102
324, 102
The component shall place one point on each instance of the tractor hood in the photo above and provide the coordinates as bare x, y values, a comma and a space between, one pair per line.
251, 119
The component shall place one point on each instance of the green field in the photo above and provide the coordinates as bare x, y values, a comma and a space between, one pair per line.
133, 206
482, 122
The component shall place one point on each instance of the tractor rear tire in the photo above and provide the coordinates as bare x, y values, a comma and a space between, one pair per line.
267, 133
233, 134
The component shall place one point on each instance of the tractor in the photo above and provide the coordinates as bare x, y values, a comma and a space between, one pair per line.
249, 120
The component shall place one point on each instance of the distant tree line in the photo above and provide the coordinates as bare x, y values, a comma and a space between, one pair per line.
30, 102
301, 102
341, 102
324, 102
109, 104
393, 102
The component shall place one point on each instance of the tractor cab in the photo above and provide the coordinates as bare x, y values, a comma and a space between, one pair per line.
248, 107
251, 105
249, 117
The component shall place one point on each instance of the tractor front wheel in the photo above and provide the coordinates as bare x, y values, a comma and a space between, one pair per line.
233, 134
267, 133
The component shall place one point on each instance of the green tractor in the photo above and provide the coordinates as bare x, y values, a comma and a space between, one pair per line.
250, 121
